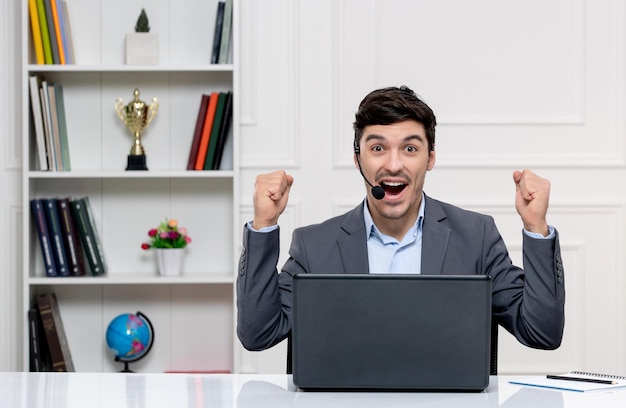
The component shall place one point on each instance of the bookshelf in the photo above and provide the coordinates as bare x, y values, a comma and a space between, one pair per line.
194, 314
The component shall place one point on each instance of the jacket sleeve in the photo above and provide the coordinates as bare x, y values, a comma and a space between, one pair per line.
263, 294
528, 303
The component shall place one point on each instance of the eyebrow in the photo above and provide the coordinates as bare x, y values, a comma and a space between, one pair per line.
374, 136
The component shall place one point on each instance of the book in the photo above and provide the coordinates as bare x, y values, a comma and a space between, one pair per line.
88, 235
54, 47
226, 33
45, 36
62, 127
197, 134
41, 226
68, 33
206, 131
63, 31
54, 126
217, 32
574, 381
54, 330
57, 30
71, 238
56, 236
47, 125
224, 131
38, 345
215, 130
35, 104
35, 29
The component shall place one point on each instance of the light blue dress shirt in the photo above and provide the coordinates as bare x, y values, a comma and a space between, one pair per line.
388, 255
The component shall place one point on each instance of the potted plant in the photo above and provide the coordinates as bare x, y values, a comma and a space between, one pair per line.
169, 241
142, 47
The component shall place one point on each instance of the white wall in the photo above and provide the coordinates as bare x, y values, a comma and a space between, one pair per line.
514, 84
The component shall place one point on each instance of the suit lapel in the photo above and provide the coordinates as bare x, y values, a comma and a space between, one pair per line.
353, 244
435, 236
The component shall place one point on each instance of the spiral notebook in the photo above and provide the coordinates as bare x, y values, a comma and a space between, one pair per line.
575, 381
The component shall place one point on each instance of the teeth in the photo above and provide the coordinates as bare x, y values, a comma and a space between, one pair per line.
393, 184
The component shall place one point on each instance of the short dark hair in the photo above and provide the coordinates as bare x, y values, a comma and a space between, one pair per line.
391, 105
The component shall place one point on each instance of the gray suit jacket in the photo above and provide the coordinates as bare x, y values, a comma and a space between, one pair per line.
527, 302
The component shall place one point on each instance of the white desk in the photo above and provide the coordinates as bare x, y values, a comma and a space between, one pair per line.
30, 390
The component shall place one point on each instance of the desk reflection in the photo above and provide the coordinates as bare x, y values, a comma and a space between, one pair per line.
261, 394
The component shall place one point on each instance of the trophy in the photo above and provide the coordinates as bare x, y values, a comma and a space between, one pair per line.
136, 116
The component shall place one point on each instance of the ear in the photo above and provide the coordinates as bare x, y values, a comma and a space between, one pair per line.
432, 158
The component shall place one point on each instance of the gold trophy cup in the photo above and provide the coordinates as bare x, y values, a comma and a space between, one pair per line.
136, 116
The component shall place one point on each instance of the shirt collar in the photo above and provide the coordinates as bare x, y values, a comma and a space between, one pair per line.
371, 229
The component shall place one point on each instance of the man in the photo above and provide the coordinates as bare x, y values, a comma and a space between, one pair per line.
399, 229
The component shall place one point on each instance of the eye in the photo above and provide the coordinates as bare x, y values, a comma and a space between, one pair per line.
411, 149
377, 148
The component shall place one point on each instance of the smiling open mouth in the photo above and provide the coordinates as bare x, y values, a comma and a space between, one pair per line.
393, 188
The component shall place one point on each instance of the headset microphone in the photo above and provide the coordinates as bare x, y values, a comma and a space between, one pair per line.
377, 191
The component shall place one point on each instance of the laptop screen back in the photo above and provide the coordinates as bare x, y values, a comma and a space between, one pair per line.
419, 332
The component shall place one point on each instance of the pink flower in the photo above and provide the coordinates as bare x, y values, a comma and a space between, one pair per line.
145, 246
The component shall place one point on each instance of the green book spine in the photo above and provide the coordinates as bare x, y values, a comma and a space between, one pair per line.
88, 236
215, 131
45, 36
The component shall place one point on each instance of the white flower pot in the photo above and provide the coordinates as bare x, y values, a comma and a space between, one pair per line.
142, 49
170, 261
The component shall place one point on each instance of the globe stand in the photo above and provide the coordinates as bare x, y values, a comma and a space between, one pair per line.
126, 369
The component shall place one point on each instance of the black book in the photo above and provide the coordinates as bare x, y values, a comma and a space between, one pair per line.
81, 212
217, 36
56, 237
224, 130
71, 238
41, 226
54, 330
38, 345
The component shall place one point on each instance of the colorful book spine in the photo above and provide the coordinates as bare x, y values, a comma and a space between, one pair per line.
45, 35
57, 29
56, 236
206, 131
197, 134
215, 130
71, 238
41, 226
51, 33
36, 31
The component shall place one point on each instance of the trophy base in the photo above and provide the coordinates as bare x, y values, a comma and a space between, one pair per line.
136, 162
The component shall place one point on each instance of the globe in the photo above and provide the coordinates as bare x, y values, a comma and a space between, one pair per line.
129, 337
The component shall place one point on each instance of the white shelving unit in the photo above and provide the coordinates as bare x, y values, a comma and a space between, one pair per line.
194, 314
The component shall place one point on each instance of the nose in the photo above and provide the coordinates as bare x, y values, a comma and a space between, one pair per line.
394, 163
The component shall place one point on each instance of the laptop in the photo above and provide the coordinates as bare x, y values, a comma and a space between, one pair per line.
391, 332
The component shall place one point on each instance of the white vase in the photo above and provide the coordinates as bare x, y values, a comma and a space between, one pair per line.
170, 261
142, 49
